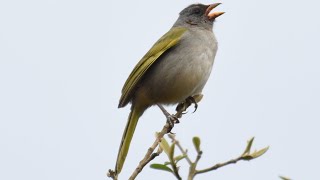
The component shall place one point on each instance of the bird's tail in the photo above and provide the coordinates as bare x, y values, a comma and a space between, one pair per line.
127, 137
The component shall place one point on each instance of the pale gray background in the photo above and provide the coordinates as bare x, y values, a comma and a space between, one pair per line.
63, 64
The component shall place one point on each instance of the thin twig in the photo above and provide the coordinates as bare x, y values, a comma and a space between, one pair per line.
193, 166
219, 165
184, 152
198, 157
175, 171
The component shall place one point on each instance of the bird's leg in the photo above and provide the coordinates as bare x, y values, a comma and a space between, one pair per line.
171, 119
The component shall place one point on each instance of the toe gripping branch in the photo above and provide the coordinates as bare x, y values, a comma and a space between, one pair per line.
171, 119
182, 107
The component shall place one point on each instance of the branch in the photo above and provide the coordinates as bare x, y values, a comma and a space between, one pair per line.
184, 152
246, 156
192, 169
149, 156
174, 164
219, 165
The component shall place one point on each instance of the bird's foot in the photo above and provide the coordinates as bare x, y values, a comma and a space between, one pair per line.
182, 107
191, 100
171, 119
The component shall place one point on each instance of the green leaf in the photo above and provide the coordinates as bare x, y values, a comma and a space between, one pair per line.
178, 158
165, 146
255, 154
171, 155
196, 142
248, 148
260, 152
161, 167
284, 178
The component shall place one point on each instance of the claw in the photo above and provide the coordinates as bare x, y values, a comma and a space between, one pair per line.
193, 101
183, 105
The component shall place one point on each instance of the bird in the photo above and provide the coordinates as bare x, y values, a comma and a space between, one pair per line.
176, 68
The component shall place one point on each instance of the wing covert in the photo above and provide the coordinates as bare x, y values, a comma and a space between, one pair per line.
167, 41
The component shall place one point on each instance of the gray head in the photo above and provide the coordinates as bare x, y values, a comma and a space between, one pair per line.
198, 15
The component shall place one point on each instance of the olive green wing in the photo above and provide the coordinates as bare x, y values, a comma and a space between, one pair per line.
167, 41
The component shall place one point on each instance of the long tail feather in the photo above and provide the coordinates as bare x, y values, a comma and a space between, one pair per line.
127, 137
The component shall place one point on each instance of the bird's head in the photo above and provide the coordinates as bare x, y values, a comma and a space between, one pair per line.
199, 14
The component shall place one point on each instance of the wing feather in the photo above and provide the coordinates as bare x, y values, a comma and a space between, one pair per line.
167, 41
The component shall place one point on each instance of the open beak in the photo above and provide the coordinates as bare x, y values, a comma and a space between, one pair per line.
213, 15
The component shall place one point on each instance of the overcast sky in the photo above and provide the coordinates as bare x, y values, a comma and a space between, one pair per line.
63, 64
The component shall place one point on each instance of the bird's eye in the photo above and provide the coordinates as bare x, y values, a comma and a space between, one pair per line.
196, 11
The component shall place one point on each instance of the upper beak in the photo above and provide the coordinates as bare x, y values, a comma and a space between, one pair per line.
213, 15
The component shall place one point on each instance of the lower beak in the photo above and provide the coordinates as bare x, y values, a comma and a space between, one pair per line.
213, 15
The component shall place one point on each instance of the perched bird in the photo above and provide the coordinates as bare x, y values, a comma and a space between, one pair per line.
176, 67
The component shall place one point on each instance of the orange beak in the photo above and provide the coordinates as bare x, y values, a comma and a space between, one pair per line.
213, 15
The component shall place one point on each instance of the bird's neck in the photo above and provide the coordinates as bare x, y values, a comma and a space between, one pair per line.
191, 25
